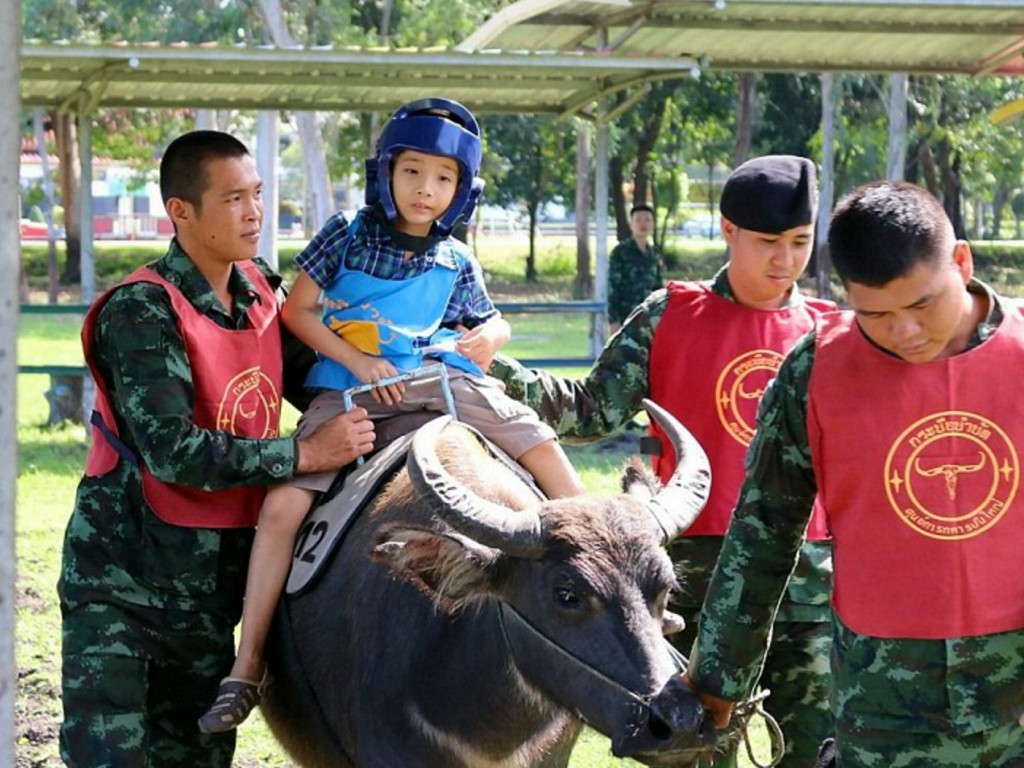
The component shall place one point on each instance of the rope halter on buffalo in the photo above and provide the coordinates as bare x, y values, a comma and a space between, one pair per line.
704, 744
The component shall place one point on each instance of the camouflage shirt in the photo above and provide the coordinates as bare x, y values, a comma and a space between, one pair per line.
115, 549
965, 684
609, 396
632, 274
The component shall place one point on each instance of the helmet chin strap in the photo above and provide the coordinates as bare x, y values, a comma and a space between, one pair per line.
414, 243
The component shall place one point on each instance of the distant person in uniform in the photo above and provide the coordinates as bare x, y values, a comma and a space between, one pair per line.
634, 267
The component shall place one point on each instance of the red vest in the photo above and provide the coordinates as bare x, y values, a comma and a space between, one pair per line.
917, 467
711, 360
237, 380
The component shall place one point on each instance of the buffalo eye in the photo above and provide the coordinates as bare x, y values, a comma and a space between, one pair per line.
567, 596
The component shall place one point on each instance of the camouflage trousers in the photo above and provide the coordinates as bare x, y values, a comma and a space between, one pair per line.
797, 673
1001, 747
134, 683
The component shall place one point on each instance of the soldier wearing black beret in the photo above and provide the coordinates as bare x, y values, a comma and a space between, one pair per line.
706, 351
773, 193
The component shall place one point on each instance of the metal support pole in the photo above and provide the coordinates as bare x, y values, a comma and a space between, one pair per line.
266, 164
599, 326
897, 158
10, 253
828, 132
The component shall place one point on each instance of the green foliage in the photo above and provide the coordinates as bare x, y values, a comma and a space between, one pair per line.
133, 20
689, 260
528, 162
113, 261
789, 113
862, 132
529, 159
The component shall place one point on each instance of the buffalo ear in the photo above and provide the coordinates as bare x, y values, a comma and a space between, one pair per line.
450, 568
638, 481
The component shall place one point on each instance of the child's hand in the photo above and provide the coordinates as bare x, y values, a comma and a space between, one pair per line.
370, 369
483, 342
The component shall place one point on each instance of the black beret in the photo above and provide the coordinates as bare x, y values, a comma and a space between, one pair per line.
771, 194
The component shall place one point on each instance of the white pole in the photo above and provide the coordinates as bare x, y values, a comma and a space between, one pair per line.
599, 321
826, 193
266, 165
597, 331
10, 252
88, 265
897, 158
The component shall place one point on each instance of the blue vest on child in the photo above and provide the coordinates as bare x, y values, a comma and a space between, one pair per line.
386, 317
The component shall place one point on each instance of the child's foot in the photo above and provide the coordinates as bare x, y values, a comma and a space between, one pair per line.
236, 698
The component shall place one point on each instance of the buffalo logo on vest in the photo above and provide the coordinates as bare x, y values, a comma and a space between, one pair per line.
739, 389
250, 405
952, 475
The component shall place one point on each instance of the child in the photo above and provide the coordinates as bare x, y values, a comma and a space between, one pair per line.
394, 282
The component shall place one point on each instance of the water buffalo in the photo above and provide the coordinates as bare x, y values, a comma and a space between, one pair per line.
465, 622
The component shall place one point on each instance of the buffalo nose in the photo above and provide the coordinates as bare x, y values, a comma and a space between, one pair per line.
670, 731
678, 708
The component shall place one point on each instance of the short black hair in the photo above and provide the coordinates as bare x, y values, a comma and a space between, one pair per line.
882, 230
183, 167
642, 207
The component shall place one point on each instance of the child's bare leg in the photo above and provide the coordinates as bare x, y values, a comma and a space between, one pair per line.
551, 469
282, 513
280, 517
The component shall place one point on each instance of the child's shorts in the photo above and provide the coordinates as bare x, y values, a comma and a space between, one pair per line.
479, 402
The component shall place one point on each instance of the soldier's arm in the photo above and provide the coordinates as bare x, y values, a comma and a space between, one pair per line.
608, 396
760, 549
142, 355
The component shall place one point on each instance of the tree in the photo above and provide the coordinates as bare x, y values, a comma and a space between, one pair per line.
746, 98
705, 125
671, 180
134, 136
638, 130
993, 156
584, 284
789, 114
942, 140
532, 154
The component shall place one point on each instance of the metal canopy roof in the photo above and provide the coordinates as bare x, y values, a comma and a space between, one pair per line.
82, 77
550, 56
914, 36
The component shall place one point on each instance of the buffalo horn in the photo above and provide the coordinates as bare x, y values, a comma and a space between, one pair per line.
677, 505
515, 532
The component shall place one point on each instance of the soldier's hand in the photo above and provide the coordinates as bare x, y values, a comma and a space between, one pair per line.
720, 709
336, 442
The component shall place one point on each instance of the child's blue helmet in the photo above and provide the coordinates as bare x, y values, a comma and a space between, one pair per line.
435, 126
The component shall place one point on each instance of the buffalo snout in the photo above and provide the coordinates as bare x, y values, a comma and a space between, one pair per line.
670, 730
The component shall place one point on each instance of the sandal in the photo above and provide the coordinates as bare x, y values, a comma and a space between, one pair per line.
236, 698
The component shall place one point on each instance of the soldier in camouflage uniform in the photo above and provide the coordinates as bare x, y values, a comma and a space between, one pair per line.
149, 598
904, 417
634, 267
677, 353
